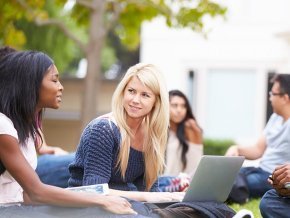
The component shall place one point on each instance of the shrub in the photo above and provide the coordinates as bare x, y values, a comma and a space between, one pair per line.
216, 146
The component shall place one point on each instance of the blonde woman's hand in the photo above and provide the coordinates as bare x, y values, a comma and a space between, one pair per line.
117, 205
163, 196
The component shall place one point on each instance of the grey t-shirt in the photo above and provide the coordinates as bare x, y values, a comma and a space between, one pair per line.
277, 133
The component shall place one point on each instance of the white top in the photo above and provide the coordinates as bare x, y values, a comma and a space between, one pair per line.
10, 190
277, 134
173, 156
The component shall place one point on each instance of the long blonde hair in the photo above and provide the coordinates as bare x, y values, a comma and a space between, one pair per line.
156, 122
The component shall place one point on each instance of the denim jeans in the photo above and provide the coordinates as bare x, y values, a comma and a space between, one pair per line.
256, 179
26, 211
272, 205
53, 169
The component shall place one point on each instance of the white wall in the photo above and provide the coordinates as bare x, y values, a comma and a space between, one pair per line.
240, 49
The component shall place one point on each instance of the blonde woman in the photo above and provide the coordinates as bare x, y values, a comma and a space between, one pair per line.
126, 147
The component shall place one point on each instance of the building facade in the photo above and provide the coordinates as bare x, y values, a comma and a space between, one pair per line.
225, 74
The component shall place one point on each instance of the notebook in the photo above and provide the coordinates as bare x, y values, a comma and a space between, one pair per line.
213, 179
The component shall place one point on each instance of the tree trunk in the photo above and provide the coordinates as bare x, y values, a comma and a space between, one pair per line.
93, 55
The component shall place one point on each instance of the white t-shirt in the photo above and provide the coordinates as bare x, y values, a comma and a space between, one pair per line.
173, 157
277, 134
10, 190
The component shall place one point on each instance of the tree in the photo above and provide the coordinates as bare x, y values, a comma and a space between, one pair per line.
124, 17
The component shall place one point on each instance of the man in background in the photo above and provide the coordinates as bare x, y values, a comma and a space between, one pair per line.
273, 146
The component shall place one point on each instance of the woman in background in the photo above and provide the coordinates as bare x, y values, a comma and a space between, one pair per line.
184, 147
185, 137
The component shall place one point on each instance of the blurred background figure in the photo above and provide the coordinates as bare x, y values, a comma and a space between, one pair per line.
184, 147
272, 146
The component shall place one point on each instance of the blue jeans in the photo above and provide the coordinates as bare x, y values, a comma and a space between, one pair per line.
26, 211
53, 169
272, 205
256, 179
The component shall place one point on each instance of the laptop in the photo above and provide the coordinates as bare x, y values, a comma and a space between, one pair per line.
213, 179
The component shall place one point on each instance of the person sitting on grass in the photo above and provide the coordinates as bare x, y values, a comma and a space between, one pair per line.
126, 148
276, 202
272, 146
29, 83
184, 146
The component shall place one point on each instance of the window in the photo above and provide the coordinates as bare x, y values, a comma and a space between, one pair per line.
230, 103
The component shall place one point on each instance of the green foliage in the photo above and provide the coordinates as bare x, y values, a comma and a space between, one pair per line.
132, 16
122, 17
14, 36
51, 41
216, 146
191, 14
21, 33
108, 58
124, 56
81, 15
11, 12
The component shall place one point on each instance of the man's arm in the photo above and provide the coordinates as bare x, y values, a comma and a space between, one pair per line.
251, 152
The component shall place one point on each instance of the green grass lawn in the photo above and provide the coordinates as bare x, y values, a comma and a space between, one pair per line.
252, 205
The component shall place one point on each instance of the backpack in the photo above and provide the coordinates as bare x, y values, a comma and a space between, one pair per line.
240, 192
